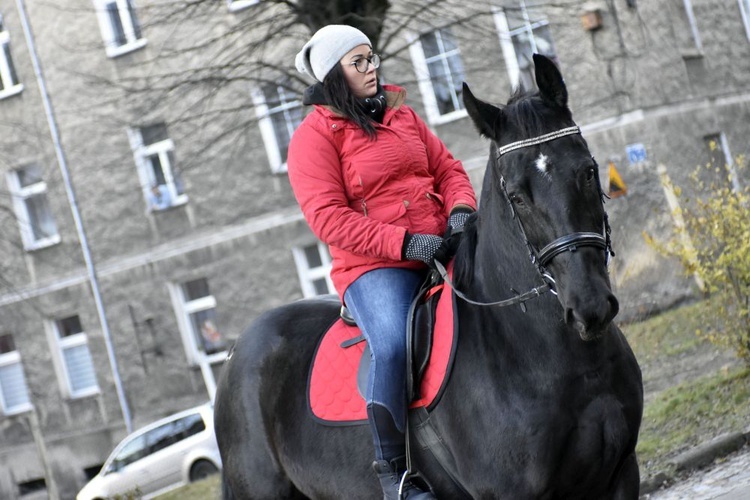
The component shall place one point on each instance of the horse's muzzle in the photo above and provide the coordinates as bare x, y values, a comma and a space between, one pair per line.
591, 318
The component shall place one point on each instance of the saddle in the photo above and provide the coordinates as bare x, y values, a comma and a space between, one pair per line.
338, 375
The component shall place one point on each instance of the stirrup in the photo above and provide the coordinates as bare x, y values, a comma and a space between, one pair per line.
404, 477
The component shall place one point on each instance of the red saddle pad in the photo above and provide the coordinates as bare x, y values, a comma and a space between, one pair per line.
333, 396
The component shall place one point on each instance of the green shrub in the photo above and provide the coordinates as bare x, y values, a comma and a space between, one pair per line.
712, 241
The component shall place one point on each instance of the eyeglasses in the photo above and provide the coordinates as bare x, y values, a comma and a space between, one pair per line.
362, 65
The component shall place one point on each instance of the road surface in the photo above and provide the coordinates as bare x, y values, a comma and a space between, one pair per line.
727, 480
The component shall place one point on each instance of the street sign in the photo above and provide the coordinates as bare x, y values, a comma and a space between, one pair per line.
616, 185
636, 153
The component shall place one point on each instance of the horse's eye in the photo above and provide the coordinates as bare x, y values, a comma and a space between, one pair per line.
516, 199
590, 173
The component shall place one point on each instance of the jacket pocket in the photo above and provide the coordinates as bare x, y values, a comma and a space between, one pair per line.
435, 197
388, 213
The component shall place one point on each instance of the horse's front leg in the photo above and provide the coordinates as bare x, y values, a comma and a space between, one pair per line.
627, 484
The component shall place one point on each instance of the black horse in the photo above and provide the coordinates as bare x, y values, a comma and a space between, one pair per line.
545, 398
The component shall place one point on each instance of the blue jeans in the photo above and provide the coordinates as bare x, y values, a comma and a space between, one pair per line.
379, 301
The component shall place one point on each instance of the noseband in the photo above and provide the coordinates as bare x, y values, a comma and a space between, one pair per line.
567, 243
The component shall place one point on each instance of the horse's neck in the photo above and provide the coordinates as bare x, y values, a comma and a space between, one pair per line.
501, 259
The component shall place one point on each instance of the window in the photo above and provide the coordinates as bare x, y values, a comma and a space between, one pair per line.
745, 13
440, 72
686, 29
32, 486
696, 36
154, 157
29, 194
119, 25
8, 78
235, 5
313, 267
174, 432
279, 113
720, 159
73, 359
196, 313
134, 450
14, 395
145, 443
523, 33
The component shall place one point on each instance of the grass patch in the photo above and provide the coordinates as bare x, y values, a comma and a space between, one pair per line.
207, 489
691, 413
669, 334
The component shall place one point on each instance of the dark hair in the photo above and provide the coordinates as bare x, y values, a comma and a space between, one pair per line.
340, 96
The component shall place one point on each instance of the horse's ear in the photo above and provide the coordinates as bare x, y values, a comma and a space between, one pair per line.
483, 115
550, 81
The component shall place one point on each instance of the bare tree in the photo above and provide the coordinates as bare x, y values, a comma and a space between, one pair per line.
202, 68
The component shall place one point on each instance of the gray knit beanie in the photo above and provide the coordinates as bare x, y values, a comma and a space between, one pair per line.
326, 48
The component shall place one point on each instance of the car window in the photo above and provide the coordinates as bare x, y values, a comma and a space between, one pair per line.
161, 437
191, 425
132, 451
173, 432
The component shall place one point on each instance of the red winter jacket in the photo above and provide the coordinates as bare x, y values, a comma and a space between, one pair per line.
360, 197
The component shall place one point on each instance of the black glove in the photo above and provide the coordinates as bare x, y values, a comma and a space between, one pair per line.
455, 228
456, 221
425, 247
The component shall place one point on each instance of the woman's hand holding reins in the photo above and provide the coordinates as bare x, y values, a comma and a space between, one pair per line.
455, 228
458, 217
425, 247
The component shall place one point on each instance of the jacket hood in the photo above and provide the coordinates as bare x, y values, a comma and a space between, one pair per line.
314, 95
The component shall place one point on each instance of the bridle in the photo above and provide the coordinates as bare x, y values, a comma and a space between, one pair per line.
568, 243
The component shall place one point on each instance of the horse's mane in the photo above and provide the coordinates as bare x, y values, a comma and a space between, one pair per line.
529, 115
463, 265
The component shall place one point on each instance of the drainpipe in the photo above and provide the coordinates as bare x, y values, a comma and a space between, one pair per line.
61, 161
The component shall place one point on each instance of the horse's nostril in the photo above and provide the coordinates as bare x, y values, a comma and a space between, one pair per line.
590, 319
569, 315
614, 307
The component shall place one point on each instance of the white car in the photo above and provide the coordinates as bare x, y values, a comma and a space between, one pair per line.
164, 455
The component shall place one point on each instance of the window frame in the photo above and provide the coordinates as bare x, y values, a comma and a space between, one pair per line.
141, 154
238, 5
745, 13
267, 131
505, 35
20, 194
8, 359
308, 275
7, 69
59, 345
128, 26
424, 81
183, 308
729, 164
695, 33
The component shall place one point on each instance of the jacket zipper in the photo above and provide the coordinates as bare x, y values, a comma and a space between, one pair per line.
364, 203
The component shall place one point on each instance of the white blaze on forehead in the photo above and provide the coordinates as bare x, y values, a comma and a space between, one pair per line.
541, 163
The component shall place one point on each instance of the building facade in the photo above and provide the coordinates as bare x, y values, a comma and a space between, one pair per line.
139, 239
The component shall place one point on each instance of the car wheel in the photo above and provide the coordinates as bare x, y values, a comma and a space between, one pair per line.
201, 470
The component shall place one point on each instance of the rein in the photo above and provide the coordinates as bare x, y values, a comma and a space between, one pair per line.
567, 243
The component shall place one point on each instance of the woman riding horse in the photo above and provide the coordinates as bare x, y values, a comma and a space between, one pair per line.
544, 401
377, 187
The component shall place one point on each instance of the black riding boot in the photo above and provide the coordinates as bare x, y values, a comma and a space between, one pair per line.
390, 475
390, 443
